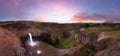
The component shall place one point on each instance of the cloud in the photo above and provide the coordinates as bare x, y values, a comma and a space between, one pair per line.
108, 18
85, 18
11, 7
56, 10
53, 11
26, 9
94, 18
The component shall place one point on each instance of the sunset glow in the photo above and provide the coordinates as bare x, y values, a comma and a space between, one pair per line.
61, 11
61, 16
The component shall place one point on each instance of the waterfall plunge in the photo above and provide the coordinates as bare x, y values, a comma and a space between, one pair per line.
31, 42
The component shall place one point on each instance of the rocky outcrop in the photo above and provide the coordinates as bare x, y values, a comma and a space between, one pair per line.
22, 28
13, 40
113, 49
9, 44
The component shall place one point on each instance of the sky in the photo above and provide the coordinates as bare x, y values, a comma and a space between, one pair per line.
61, 11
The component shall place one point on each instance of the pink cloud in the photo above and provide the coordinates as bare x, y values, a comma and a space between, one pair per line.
84, 18
25, 8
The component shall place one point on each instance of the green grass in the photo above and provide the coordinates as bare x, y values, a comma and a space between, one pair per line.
113, 32
90, 29
67, 42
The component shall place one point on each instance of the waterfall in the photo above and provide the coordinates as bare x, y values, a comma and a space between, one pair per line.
31, 42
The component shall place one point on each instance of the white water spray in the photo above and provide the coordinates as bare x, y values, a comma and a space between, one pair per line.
38, 51
31, 42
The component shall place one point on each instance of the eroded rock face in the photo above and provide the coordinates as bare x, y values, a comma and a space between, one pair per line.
113, 49
57, 32
9, 44
49, 34
92, 38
